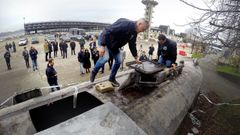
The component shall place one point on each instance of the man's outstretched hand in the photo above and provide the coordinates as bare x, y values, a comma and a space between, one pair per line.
101, 51
137, 60
174, 66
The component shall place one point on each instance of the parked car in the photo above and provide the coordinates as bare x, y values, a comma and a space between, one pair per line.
50, 38
77, 37
65, 38
35, 40
23, 41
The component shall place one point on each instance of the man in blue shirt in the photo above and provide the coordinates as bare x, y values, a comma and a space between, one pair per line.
114, 37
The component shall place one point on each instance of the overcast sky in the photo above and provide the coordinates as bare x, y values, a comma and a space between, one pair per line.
167, 12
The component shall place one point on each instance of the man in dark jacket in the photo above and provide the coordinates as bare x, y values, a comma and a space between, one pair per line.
51, 75
150, 52
50, 45
82, 42
81, 60
7, 47
114, 37
72, 45
14, 47
7, 57
25, 55
33, 54
55, 49
64, 48
60, 47
167, 51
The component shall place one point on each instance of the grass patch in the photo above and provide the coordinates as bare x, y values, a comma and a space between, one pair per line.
197, 55
229, 117
229, 70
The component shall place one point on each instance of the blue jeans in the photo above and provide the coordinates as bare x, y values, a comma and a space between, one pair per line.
102, 60
34, 63
167, 63
81, 68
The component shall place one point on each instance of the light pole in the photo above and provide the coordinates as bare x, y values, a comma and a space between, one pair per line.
24, 25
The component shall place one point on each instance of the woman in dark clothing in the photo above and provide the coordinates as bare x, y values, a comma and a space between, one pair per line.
87, 63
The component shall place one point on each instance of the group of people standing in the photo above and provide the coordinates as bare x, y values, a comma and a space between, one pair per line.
110, 46
33, 53
7, 55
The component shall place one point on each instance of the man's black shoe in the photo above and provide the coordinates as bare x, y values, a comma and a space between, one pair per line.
114, 83
92, 76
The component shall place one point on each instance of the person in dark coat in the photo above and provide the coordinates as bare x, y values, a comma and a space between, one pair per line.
95, 57
167, 51
60, 47
150, 52
86, 62
114, 37
33, 54
143, 56
50, 46
14, 47
82, 42
81, 60
52, 75
64, 47
92, 45
10, 46
7, 47
25, 55
72, 46
7, 57
55, 48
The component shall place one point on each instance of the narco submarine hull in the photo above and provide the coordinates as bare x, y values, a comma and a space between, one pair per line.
147, 103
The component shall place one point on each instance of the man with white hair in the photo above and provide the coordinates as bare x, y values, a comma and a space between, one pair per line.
114, 37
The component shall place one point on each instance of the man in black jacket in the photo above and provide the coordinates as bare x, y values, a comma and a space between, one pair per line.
50, 49
51, 74
64, 48
55, 48
150, 52
73, 45
81, 60
114, 37
33, 54
7, 57
25, 55
167, 51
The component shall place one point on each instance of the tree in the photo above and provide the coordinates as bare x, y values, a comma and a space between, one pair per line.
219, 23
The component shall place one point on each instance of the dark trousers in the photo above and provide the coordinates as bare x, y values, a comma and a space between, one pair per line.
46, 56
50, 55
27, 63
8, 64
73, 52
53, 82
64, 54
55, 54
